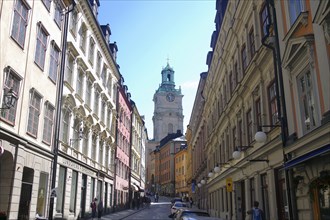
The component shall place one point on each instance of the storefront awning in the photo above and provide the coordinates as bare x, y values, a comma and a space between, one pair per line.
307, 156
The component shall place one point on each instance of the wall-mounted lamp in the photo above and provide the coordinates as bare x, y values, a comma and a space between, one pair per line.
80, 136
261, 136
203, 181
217, 168
238, 150
199, 185
211, 174
9, 100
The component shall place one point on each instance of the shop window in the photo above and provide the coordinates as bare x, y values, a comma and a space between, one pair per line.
42, 194
73, 195
61, 190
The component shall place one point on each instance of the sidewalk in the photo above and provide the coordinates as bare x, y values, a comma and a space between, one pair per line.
120, 215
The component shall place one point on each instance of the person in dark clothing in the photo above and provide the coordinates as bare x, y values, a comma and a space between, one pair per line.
191, 202
257, 214
93, 206
99, 209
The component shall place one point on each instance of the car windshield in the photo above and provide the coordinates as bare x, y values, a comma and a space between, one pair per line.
180, 205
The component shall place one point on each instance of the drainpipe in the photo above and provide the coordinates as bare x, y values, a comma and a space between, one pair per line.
130, 157
280, 100
59, 106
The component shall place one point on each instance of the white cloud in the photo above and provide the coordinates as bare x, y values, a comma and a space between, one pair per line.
189, 85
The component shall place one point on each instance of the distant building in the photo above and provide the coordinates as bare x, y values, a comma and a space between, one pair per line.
165, 163
167, 118
181, 169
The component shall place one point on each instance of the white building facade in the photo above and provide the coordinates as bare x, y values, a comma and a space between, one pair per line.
31, 39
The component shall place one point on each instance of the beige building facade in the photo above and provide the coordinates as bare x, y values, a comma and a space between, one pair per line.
251, 89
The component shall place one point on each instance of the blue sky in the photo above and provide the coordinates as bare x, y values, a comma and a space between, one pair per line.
150, 31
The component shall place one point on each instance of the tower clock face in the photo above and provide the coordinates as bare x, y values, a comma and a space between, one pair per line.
170, 97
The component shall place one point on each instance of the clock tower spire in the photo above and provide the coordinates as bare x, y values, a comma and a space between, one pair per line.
168, 112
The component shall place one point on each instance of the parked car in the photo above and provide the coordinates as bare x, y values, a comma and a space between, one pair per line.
175, 200
193, 214
177, 206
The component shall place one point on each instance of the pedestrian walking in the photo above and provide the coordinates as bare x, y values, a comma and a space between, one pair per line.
138, 203
191, 202
93, 207
257, 214
99, 209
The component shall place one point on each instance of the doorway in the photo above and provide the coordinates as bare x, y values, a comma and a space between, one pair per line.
83, 196
26, 192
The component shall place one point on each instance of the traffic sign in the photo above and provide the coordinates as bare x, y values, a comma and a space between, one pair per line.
229, 184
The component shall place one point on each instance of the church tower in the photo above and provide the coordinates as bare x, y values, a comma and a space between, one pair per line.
168, 112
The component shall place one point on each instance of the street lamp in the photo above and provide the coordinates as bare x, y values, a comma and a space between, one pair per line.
9, 100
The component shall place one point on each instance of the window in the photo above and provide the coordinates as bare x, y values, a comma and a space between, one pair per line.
85, 141
94, 141
73, 192
58, 15
264, 19
47, 3
307, 102
83, 38
104, 76
101, 153
109, 118
88, 90
231, 82
240, 132
76, 134
42, 194
252, 43
103, 108
249, 126
96, 101
234, 137
74, 22
34, 112
258, 113
41, 46
244, 57
272, 103
98, 63
12, 81
295, 7
65, 128
48, 123
92, 189
69, 68
236, 76
20, 22
91, 51
60, 193
54, 61
80, 82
